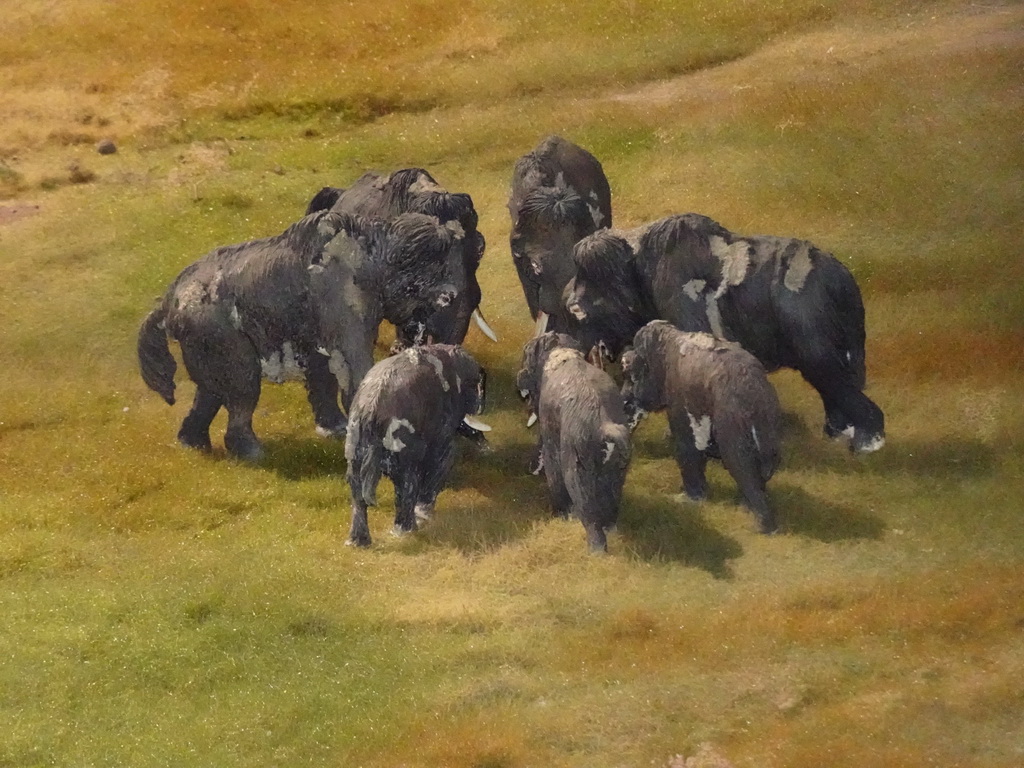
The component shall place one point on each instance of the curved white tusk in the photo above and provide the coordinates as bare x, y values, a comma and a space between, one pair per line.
542, 323
476, 424
482, 324
531, 421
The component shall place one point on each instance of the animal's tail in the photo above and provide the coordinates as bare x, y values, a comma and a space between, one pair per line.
365, 462
617, 447
155, 359
764, 432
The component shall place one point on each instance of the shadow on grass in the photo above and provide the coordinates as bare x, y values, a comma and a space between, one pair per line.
802, 514
669, 530
303, 458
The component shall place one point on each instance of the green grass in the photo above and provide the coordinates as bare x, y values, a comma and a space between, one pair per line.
162, 607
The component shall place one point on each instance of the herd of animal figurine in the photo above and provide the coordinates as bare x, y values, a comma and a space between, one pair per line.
695, 315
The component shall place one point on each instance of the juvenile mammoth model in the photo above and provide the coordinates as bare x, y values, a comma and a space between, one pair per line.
718, 399
559, 195
783, 300
402, 425
304, 304
584, 434
414, 190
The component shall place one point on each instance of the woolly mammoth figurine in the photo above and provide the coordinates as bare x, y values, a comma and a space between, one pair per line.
304, 304
414, 190
559, 195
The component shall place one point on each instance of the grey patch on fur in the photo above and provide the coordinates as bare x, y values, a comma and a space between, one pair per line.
799, 268
714, 315
236, 319
282, 365
390, 441
875, 444
753, 434
694, 288
735, 259
338, 365
438, 367
609, 449
701, 431
423, 184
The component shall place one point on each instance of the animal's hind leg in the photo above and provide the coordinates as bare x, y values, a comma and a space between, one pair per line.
407, 490
322, 393
195, 428
223, 363
588, 505
433, 476
740, 457
553, 474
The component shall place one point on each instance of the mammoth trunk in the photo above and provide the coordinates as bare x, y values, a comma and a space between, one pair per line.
155, 360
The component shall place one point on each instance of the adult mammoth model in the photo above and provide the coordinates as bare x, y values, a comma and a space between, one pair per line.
784, 300
559, 196
414, 190
303, 304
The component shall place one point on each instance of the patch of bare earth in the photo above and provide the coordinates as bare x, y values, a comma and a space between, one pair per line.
13, 211
821, 54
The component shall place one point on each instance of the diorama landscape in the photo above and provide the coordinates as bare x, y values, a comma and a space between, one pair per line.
162, 606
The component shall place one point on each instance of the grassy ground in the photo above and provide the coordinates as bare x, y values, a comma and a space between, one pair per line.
166, 608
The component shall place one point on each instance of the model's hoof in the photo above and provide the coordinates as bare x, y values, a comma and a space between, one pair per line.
195, 444
424, 512
336, 432
357, 541
398, 531
867, 444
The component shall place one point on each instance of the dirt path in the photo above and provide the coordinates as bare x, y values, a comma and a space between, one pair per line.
814, 53
14, 211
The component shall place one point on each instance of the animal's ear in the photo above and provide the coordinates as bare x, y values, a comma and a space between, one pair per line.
633, 365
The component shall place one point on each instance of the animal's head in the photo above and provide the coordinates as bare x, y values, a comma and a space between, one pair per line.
452, 323
643, 371
535, 355
604, 298
423, 272
548, 223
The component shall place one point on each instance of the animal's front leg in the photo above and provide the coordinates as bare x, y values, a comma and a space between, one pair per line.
691, 460
322, 392
407, 491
